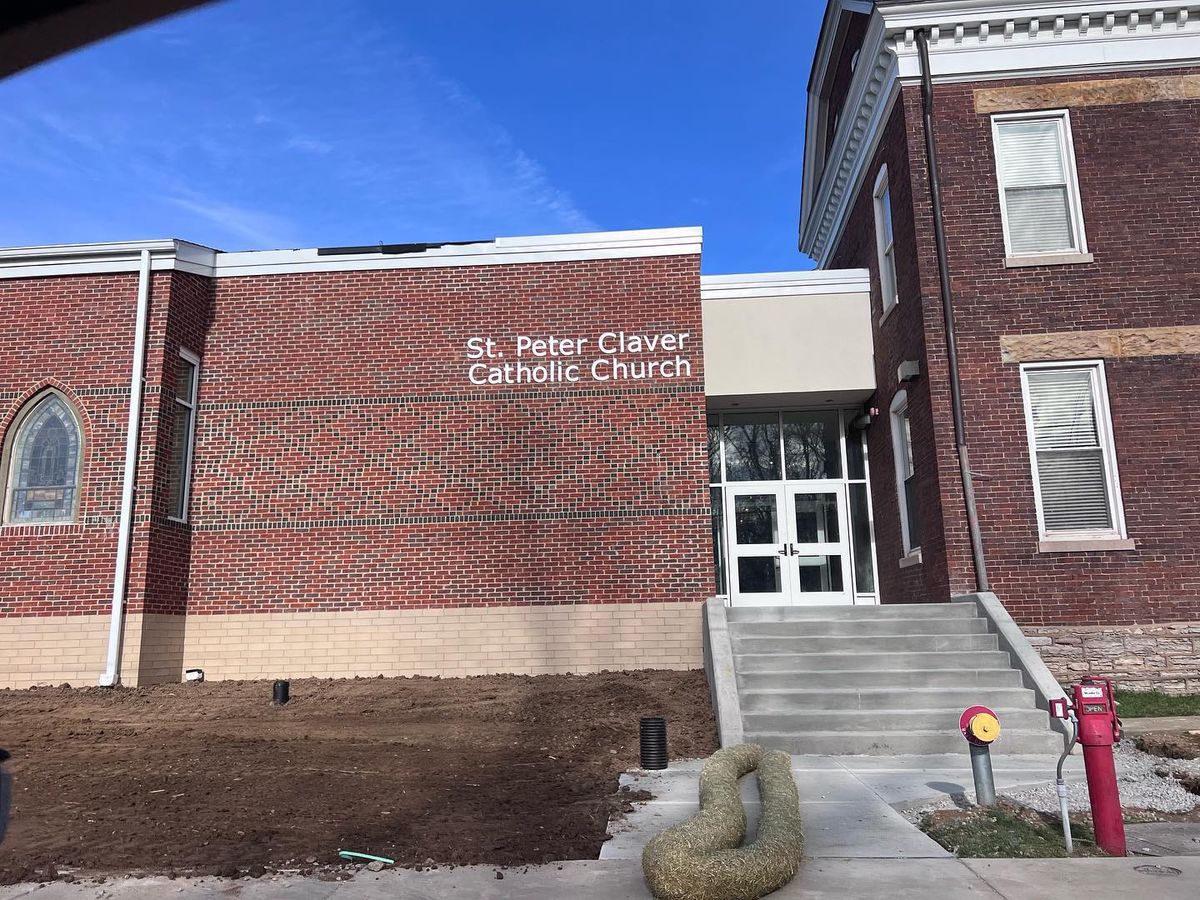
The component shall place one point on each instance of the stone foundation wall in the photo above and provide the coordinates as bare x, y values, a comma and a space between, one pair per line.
1137, 657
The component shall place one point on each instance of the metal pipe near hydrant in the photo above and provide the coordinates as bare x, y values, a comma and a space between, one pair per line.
980, 726
1060, 785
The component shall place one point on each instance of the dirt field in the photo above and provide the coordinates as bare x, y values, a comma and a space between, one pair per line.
210, 778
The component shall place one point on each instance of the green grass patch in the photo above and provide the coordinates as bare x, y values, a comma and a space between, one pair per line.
1145, 704
1005, 831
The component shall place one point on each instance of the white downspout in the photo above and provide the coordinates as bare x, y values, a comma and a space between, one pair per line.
112, 675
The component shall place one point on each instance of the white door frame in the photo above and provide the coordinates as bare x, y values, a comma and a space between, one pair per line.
801, 550
776, 550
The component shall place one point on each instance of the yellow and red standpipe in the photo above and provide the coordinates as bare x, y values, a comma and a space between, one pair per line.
980, 726
1095, 710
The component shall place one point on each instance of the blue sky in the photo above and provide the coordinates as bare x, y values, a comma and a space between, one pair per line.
255, 124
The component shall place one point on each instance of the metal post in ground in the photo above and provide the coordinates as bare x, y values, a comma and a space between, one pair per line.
981, 771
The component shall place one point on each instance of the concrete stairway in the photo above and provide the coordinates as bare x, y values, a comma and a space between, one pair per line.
877, 679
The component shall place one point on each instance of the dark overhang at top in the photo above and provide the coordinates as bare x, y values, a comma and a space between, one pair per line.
33, 32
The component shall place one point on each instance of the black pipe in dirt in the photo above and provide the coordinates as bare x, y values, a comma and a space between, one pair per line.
956, 403
280, 693
653, 733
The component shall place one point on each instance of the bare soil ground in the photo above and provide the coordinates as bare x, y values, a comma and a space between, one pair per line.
213, 779
1170, 744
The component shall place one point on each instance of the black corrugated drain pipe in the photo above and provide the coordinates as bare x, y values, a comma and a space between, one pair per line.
939, 232
653, 734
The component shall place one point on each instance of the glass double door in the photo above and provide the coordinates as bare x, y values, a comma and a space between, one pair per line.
788, 544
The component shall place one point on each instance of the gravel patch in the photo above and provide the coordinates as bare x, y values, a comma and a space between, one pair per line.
1145, 782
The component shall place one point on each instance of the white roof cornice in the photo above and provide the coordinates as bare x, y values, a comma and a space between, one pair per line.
81, 259
979, 40
785, 284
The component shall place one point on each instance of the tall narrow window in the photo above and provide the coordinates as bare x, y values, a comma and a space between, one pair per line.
43, 472
1039, 190
183, 434
905, 473
1071, 446
885, 243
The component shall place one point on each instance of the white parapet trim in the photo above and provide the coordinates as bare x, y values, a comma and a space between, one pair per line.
80, 259
1034, 672
722, 678
785, 284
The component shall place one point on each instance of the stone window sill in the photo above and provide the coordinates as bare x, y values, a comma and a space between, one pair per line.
1084, 546
1050, 259
887, 313
913, 558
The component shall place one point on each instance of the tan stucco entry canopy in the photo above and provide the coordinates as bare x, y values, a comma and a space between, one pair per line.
787, 339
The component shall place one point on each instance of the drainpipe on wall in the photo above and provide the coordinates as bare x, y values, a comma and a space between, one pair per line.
112, 673
939, 232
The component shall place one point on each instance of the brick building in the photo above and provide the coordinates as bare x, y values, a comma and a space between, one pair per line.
458, 459
1071, 207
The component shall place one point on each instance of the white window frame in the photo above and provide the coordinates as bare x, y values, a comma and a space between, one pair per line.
193, 405
889, 288
899, 411
1067, 147
1104, 429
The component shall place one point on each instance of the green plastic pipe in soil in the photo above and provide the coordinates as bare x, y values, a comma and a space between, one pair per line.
353, 854
701, 859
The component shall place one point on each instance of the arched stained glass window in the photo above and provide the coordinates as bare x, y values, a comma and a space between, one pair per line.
43, 475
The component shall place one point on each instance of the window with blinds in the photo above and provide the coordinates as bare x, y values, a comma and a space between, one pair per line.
1039, 193
1070, 439
885, 243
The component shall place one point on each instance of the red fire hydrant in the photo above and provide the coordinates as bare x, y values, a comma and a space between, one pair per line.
1099, 730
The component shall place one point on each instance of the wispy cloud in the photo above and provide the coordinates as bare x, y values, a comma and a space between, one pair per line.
308, 145
299, 130
261, 229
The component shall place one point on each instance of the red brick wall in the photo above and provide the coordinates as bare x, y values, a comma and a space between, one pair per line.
1141, 205
344, 460
166, 544
899, 337
74, 334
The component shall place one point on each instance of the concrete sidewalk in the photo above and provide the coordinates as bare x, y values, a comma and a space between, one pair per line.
844, 879
847, 803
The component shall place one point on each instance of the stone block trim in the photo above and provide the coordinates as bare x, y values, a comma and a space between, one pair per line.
1118, 343
447, 642
1137, 657
1102, 92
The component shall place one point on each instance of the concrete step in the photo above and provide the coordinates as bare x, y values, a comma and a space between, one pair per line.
884, 698
873, 678
739, 614
860, 627
854, 661
896, 742
746, 645
878, 721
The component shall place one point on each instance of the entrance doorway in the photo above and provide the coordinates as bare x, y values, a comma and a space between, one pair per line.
791, 510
